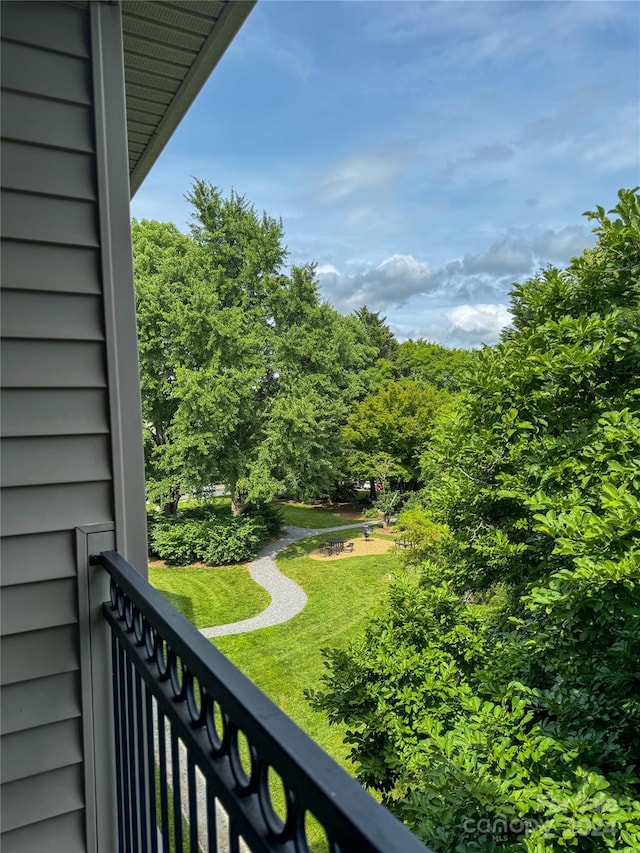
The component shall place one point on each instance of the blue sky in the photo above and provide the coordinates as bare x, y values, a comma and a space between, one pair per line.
424, 154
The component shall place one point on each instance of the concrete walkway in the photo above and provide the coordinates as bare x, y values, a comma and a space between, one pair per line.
287, 598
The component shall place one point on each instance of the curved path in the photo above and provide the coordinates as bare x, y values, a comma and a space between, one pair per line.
287, 598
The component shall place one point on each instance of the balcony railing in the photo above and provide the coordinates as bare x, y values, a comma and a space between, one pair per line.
205, 761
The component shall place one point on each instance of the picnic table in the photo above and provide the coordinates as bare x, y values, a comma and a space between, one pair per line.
337, 546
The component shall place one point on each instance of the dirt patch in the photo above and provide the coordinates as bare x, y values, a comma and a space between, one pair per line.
361, 548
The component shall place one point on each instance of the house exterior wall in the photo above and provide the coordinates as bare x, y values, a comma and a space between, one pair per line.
71, 433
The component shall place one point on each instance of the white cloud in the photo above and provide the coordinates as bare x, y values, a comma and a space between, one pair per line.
326, 269
391, 283
560, 246
506, 257
375, 171
474, 325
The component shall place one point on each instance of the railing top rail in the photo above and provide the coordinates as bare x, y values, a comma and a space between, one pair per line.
323, 786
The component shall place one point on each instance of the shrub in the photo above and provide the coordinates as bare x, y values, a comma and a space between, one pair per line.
209, 534
270, 514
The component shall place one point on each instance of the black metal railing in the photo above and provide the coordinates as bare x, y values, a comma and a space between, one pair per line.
237, 773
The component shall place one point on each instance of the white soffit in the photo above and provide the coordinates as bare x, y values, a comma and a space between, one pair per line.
170, 49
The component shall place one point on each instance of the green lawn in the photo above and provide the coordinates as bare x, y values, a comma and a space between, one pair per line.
304, 515
286, 659
210, 596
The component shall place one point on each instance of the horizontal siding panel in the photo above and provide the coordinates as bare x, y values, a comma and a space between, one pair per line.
37, 798
136, 147
48, 460
147, 30
49, 220
52, 364
62, 834
50, 171
44, 509
150, 81
51, 75
31, 314
141, 126
160, 52
140, 138
203, 7
49, 25
69, 411
39, 654
69, 269
43, 122
41, 750
144, 110
34, 606
173, 16
23, 708
37, 557
173, 70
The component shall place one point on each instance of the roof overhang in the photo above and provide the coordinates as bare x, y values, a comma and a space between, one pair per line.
170, 49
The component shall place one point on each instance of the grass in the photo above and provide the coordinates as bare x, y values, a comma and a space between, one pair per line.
210, 596
316, 517
286, 659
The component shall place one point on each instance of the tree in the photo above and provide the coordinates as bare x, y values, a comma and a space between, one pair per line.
395, 423
378, 333
166, 272
496, 704
247, 375
434, 364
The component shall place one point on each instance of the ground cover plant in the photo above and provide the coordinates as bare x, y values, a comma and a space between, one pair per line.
495, 704
210, 596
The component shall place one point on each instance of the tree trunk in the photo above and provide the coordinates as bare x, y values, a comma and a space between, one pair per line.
373, 493
171, 506
237, 503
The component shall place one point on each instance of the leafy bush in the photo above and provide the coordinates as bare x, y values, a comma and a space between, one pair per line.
270, 514
496, 704
371, 512
209, 534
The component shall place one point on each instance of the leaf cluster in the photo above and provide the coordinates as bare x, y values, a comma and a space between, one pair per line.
496, 704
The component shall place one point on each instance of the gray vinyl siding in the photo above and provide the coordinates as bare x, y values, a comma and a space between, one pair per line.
56, 451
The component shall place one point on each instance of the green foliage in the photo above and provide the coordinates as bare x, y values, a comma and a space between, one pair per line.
378, 333
496, 705
246, 375
393, 426
436, 365
209, 534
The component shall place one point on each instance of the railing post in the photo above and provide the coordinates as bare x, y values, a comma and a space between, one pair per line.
96, 691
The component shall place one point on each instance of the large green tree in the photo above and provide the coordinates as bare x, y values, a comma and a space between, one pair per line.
391, 428
247, 374
425, 361
496, 704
